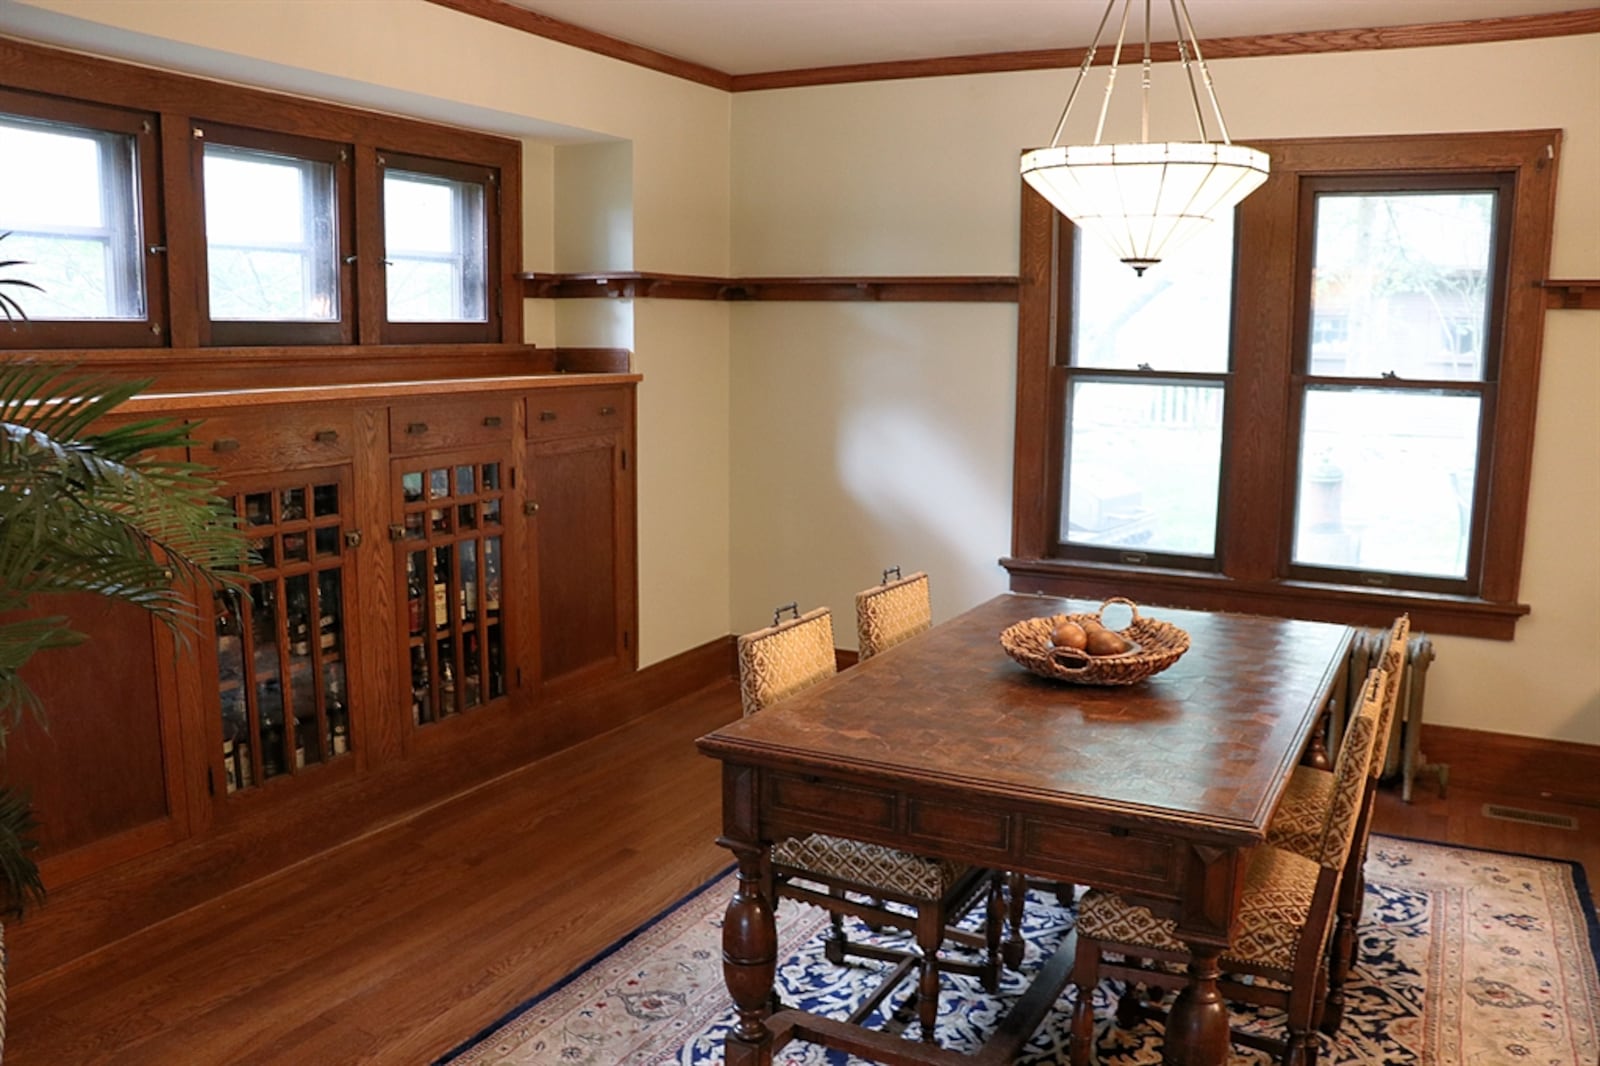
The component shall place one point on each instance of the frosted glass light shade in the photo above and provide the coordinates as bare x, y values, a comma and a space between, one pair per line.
1144, 200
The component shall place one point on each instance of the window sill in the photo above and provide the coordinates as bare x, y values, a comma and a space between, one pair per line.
1457, 615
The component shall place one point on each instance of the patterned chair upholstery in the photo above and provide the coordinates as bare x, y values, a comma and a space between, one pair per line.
1285, 919
894, 611
1296, 824
785, 658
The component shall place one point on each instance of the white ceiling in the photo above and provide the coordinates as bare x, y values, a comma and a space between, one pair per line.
761, 36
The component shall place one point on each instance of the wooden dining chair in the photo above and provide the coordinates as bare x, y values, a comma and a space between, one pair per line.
853, 878
1280, 933
892, 611
895, 610
1297, 823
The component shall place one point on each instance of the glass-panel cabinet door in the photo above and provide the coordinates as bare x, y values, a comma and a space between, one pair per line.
281, 646
452, 552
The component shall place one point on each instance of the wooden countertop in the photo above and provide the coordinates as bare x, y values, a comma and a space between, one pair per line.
221, 400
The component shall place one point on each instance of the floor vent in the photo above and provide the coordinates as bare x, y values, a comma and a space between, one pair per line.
1517, 814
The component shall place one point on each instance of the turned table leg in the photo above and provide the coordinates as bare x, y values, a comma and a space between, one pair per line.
749, 964
1197, 1028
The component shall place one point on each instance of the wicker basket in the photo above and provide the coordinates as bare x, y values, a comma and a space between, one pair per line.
1157, 646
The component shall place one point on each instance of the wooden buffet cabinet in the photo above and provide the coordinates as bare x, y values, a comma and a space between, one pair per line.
444, 572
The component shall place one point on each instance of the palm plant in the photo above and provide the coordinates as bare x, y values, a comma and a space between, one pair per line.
8, 303
89, 508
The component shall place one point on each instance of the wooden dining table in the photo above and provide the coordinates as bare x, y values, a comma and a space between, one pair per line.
945, 747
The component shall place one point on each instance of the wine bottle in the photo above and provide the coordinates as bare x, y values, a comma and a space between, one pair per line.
413, 598
441, 592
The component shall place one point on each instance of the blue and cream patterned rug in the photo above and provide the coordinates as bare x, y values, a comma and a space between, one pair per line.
1467, 958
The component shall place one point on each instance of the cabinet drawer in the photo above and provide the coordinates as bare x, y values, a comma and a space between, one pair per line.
567, 412
440, 426
234, 443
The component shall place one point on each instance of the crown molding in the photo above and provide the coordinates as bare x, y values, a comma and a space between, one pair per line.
520, 18
1421, 35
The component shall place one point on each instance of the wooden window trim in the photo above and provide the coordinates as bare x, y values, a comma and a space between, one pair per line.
1252, 576
174, 101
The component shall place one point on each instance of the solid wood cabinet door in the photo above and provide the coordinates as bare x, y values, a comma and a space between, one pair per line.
104, 777
582, 520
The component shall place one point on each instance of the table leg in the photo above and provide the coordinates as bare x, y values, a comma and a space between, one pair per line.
749, 964
1197, 1028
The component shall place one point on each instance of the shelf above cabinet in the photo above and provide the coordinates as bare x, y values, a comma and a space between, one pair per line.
636, 284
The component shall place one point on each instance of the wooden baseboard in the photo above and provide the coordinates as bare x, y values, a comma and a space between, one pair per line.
255, 840
1513, 765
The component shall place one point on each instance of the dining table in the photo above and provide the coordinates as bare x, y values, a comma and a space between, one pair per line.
945, 747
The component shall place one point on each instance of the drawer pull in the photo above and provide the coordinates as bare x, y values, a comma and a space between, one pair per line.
326, 436
530, 507
547, 416
608, 410
416, 429
225, 444
492, 421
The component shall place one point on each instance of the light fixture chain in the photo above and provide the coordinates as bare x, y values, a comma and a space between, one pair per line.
1144, 94
1111, 75
1188, 73
1205, 72
1088, 61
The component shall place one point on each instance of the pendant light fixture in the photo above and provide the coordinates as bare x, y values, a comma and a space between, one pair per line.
1145, 199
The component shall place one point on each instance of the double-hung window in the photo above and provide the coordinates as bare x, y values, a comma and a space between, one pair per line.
1322, 409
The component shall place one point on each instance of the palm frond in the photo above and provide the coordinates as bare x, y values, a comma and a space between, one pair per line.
19, 873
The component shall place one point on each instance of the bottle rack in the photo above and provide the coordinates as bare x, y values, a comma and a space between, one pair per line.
281, 646
452, 559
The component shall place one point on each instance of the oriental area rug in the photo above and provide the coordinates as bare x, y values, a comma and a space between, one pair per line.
1467, 958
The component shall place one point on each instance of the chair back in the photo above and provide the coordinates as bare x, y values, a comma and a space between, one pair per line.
1394, 665
784, 658
894, 611
1351, 773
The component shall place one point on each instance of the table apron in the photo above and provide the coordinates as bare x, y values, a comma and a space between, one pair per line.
1183, 873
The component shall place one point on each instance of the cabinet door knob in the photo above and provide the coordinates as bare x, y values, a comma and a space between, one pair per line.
416, 429
530, 507
547, 416
397, 532
608, 410
352, 538
492, 421
225, 444
326, 436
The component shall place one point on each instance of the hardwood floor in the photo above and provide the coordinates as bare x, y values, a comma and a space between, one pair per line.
396, 948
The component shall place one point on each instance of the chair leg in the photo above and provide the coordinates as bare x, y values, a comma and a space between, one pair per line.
1085, 976
1017, 897
994, 918
1342, 953
1306, 994
930, 935
835, 945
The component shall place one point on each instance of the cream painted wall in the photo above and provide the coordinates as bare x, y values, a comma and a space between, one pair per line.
422, 59
868, 435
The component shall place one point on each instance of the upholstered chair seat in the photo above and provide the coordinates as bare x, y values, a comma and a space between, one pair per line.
855, 878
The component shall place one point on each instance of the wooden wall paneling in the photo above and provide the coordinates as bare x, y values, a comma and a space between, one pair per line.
507, 291
97, 910
593, 360
103, 769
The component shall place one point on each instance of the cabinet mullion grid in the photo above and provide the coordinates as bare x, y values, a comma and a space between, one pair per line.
433, 521
273, 533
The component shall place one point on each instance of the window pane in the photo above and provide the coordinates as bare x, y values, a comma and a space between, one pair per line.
1142, 465
1400, 284
1173, 317
1386, 481
435, 244
271, 251
68, 196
